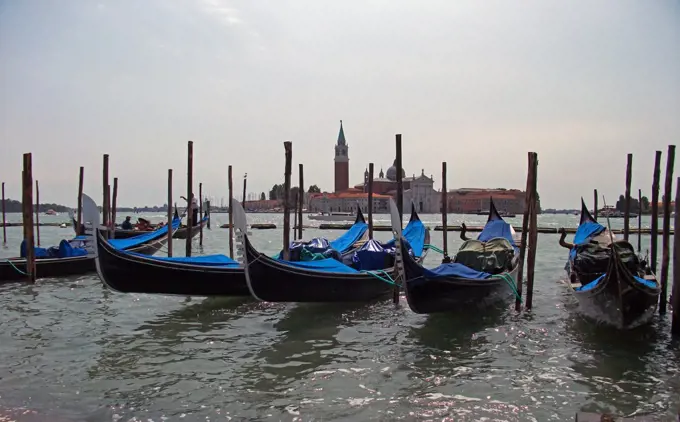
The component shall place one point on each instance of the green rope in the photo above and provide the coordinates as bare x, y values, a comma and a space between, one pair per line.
387, 278
511, 282
18, 270
434, 248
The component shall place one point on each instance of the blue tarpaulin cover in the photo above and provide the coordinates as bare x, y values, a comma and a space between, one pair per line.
414, 233
454, 270
135, 241
592, 284
205, 260
586, 231
345, 242
326, 265
64, 250
496, 228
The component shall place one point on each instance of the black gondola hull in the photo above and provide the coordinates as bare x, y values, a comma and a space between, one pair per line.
617, 300
132, 274
449, 294
15, 269
273, 281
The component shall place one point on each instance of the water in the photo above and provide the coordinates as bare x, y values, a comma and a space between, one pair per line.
74, 350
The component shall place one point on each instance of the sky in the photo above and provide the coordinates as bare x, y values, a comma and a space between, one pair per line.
477, 84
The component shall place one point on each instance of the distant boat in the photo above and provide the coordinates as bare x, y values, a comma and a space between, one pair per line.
332, 216
51, 212
501, 213
611, 212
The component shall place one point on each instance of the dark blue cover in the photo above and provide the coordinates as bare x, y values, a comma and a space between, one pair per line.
312, 249
373, 256
64, 250
135, 241
67, 251
455, 270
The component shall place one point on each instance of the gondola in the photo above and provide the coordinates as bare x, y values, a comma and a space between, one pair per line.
483, 272
326, 280
130, 272
214, 275
65, 263
181, 232
611, 283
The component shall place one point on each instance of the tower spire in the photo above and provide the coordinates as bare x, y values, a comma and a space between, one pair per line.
341, 136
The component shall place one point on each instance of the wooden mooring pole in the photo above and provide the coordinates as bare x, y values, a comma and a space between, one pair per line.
114, 205
27, 208
170, 217
525, 232
400, 203
37, 213
288, 147
675, 295
231, 213
445, 211
245, 181
190, 196
655, 210
595, 204
626, 210
79, 217
639, 230
4, 222
200, 214
301, 199
533, 233
295, 202
668, 191
369, 198
105, 184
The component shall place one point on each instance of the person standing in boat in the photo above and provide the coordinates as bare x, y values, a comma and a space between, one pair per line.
192, 207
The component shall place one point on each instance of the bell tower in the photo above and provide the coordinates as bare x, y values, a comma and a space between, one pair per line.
341, 162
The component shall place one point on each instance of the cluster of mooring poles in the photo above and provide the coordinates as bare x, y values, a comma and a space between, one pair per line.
529, 230
666, 230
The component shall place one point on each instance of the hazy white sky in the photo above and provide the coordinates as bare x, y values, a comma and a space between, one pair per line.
475, 83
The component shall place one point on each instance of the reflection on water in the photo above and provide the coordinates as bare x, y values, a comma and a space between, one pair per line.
75, 350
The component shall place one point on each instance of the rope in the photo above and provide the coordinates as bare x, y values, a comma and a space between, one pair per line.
387, 278
511, 282
434, 248
13, 266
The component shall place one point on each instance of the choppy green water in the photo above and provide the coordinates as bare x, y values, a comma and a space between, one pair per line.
73, 349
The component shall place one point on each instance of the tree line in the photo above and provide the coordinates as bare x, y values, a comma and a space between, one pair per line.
277, 191
12, 205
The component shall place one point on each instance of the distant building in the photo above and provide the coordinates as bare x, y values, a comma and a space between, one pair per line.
341, 162
348, 201
418, 190
473, 200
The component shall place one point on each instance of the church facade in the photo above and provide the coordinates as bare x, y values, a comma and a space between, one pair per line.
418, 190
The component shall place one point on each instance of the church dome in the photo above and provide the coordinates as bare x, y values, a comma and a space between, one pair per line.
392, 172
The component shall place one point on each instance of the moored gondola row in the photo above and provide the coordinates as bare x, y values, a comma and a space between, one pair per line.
612, 283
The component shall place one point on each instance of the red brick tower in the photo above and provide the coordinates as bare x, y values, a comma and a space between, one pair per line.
341, 163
